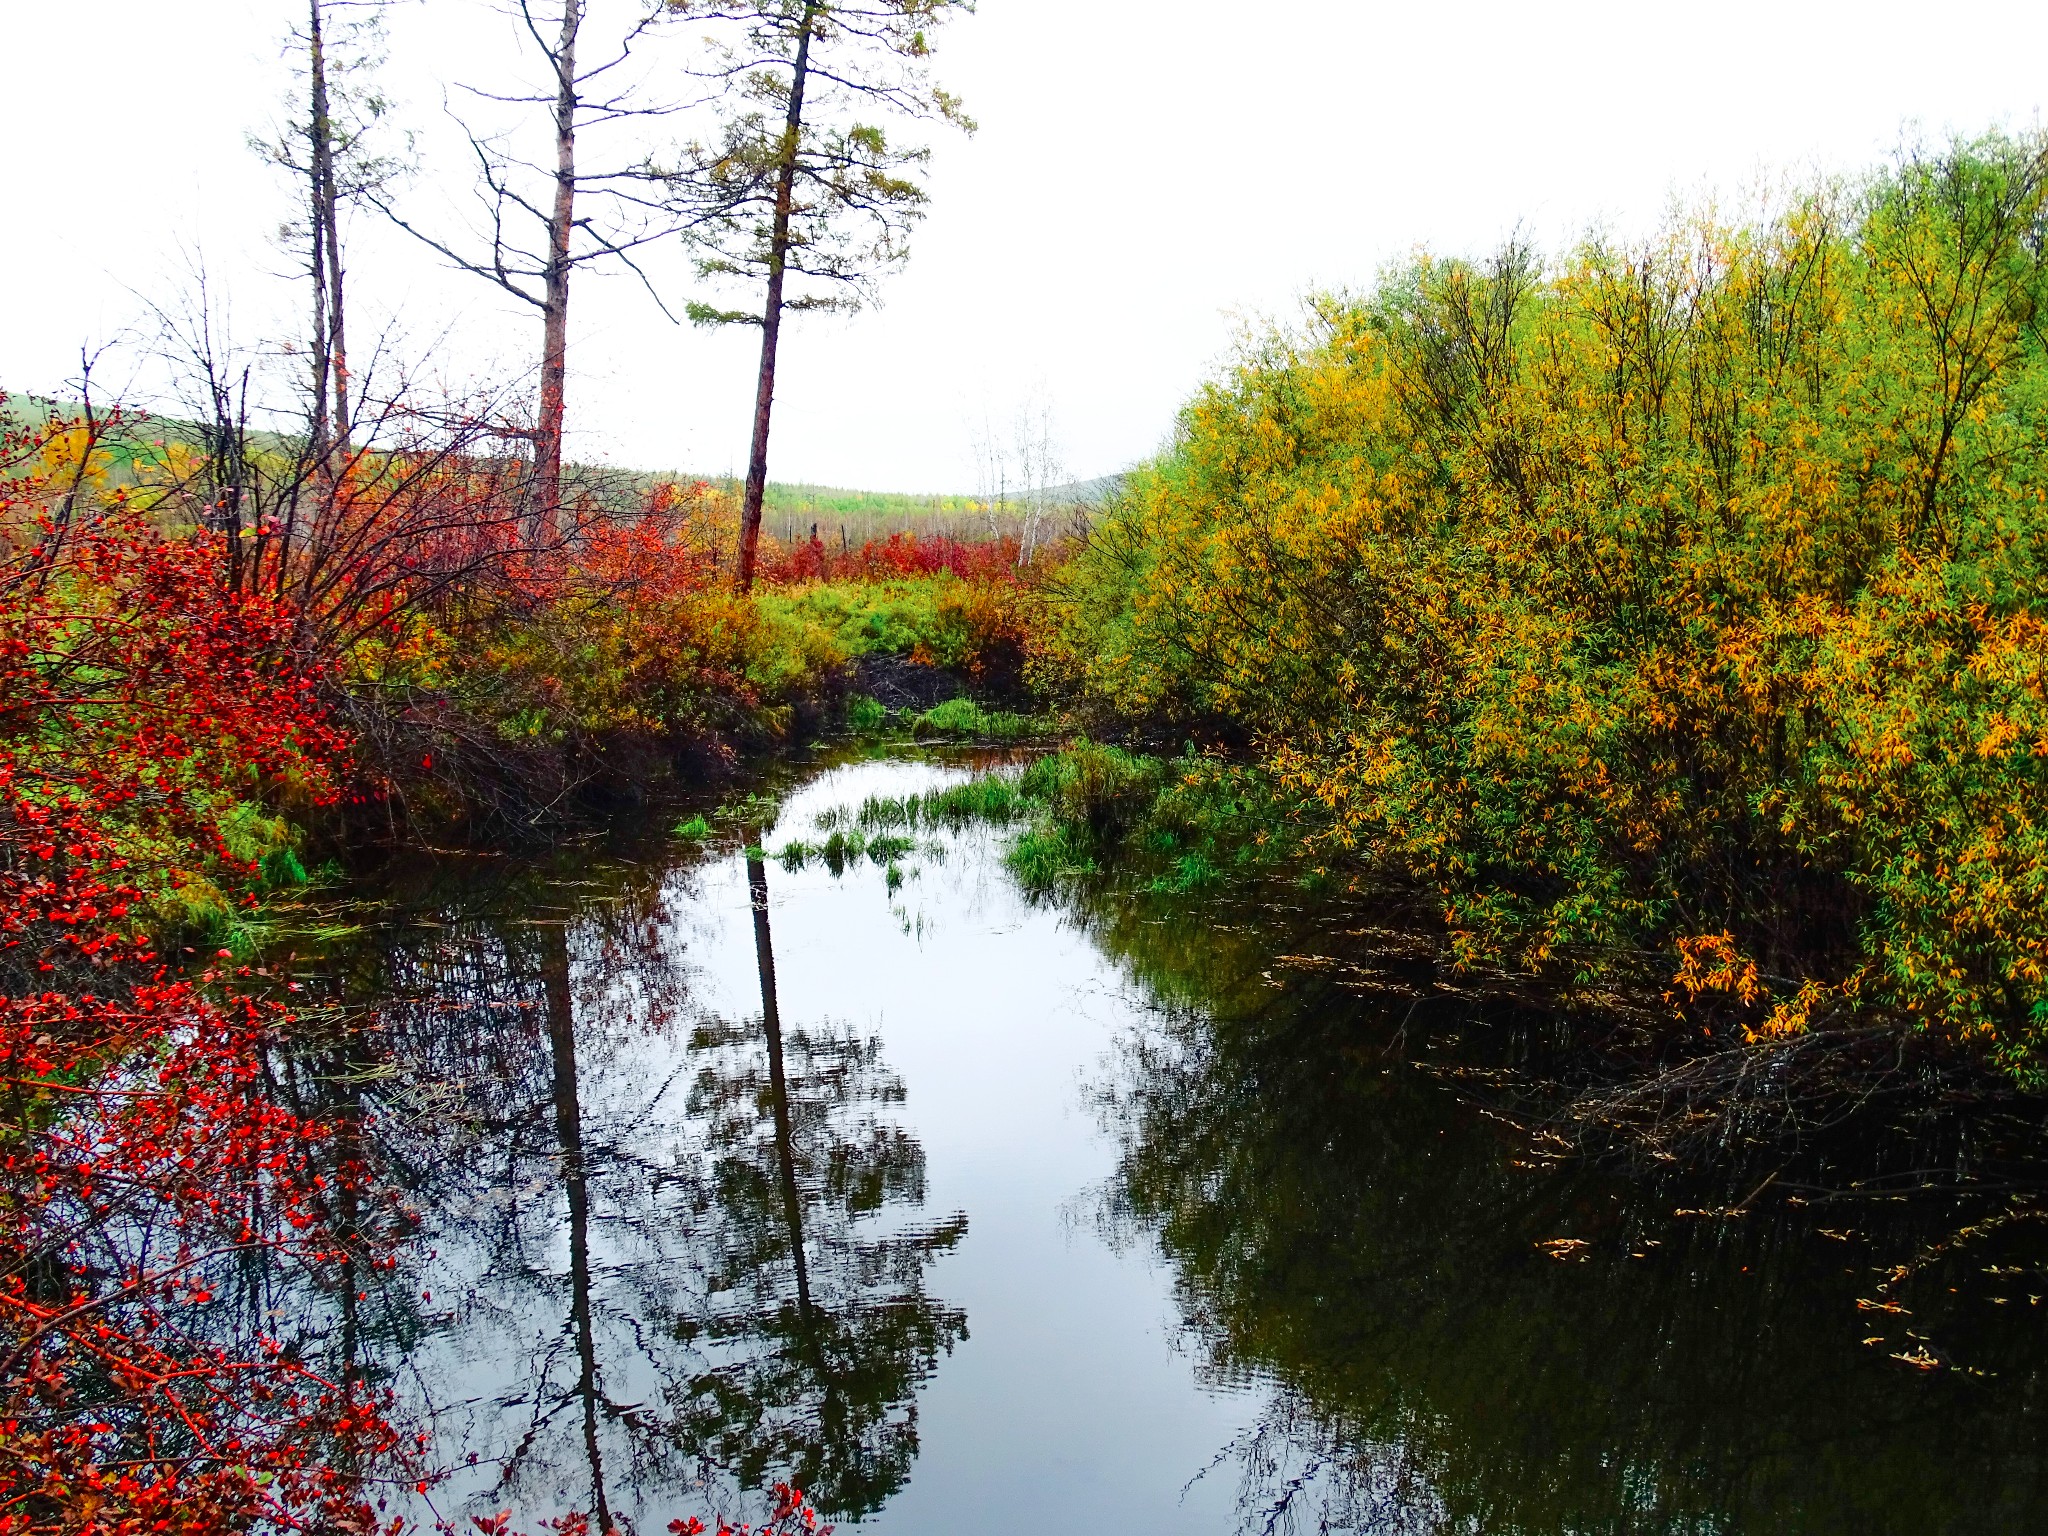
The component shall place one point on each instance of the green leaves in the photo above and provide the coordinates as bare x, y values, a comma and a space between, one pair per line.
705, 314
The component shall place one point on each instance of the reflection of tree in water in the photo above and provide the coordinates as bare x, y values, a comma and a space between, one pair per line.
814, 1312
1366, 1251
655, 1271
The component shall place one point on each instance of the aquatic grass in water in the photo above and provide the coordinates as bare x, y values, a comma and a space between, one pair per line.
964, 718
755, 810
1048, 856
1179, 824
866, 716
846, 847
1189, 872
993, 798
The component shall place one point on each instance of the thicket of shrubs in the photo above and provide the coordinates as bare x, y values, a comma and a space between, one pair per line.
1685, 600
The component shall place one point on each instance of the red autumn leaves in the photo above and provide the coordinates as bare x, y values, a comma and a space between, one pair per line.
151, 1184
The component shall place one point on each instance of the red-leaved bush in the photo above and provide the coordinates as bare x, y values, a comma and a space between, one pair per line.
152, 1189
793, 1516
898, 556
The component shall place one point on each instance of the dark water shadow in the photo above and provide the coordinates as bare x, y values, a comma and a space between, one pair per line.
1460, 1336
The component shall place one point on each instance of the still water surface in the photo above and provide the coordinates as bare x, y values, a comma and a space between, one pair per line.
1010, 1216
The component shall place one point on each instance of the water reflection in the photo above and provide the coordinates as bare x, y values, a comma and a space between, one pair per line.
667, 1257
813, 1322
678, 1238
561, 1010
1340, 1229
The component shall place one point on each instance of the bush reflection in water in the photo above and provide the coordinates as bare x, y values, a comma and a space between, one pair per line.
669, 1258
1341, 1230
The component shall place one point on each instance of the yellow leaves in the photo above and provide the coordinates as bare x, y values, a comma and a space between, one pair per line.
2000, 733
1712, 963
1794, 1017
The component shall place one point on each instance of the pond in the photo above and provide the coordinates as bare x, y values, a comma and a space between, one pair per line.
968, 1210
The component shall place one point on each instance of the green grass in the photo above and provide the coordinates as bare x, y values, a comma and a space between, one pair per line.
866, 716
791, 511
964, 718
859, 618
958, 719
844, 848
1171, 826
696, 829
1175, 825
1189, 872
1047, 856
283, 871
992, 797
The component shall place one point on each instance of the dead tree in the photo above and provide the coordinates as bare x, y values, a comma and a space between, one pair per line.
544, 218
331, 146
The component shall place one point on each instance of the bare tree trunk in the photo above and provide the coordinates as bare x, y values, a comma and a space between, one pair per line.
554, 349
337, 329
320, 205
331, 393
771, 313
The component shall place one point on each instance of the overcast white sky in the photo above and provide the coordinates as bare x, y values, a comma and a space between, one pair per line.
1148, 173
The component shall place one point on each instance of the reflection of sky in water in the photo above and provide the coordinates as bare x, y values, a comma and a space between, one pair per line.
1068, 1395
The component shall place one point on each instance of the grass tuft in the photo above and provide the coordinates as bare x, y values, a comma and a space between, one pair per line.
866, 716
966, 719
843, 848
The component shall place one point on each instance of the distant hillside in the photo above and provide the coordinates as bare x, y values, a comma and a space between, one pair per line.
792, 510
1088, 493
